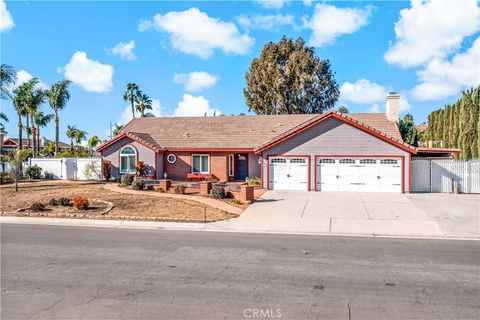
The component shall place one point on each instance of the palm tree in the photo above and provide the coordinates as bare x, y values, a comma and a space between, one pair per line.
41, 121
144, 103
7, 78
131, 95
117, 129
71, 132
20, 105
35, 97
58, 96
80, 135
93, 141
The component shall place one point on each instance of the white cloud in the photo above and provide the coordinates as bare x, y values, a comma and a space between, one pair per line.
442, 78
6, 21
432, 29
329, 22
266, 22
307, 3
125, 50
272, 4
126, 115
195, 81
207, 35
24, 76
89, 74
362, 91
194, 106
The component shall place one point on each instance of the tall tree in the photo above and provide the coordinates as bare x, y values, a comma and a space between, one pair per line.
289, 78
19, 103
131, 95
80, 135
58, 96
36, 98
408, 130
143, 103
41, 121
343, 109
93, 141
71, 132
118, 128
7, 78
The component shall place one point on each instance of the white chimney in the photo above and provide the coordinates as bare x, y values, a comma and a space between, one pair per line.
393, 101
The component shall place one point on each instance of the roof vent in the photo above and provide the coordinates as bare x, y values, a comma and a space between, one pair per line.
186, 134
279, 124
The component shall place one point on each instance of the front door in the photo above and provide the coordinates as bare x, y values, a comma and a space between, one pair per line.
241, 167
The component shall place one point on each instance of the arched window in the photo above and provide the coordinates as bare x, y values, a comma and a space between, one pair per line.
128, 159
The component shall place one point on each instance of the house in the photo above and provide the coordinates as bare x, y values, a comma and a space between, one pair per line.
320, 152
11, 144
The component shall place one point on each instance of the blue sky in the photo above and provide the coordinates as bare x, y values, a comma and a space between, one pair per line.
191, 57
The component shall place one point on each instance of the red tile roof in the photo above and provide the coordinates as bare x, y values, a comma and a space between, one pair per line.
238, 132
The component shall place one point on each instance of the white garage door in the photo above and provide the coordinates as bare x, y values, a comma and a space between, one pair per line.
359, 174
288, 174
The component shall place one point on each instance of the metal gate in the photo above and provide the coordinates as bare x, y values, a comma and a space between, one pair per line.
475, 176
420, 175
445, 175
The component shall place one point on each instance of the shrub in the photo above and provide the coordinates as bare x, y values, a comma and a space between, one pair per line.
236, 201
161, 190
127, 179
53, 202
33, 172
218, 192
5, 177
37, 206
138, 184
254, 181
179, 188
141, 168
80, 203
64, 201
107, 169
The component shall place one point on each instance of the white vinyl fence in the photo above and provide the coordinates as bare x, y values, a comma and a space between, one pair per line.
69, 168
445, 175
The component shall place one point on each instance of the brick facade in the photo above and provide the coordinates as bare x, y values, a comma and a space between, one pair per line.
182, 167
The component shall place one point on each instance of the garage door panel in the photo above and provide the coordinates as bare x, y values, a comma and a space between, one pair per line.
288, 173
360, 174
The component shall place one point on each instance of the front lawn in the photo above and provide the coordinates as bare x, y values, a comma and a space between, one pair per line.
125, 205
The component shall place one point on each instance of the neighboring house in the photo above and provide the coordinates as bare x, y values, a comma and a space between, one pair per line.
322, 152
11, 144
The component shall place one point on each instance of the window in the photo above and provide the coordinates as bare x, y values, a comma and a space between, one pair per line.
171, 158
230, 165
297, 160
368, 161
388, 161
326, 161
200, 163
347, 161
278, 160
128, 160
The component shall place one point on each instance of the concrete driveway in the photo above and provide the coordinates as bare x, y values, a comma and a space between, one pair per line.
426, 215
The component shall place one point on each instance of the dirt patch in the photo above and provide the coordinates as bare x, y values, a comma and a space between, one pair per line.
125, 205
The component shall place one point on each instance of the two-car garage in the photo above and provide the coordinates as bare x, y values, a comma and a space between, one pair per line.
355, 174
338, 153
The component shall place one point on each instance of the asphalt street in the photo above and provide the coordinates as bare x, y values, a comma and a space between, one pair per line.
53, 272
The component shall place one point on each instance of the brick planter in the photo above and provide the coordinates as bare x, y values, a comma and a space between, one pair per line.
246, 193
165, 184
205, 188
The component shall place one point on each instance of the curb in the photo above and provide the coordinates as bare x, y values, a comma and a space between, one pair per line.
178, 226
